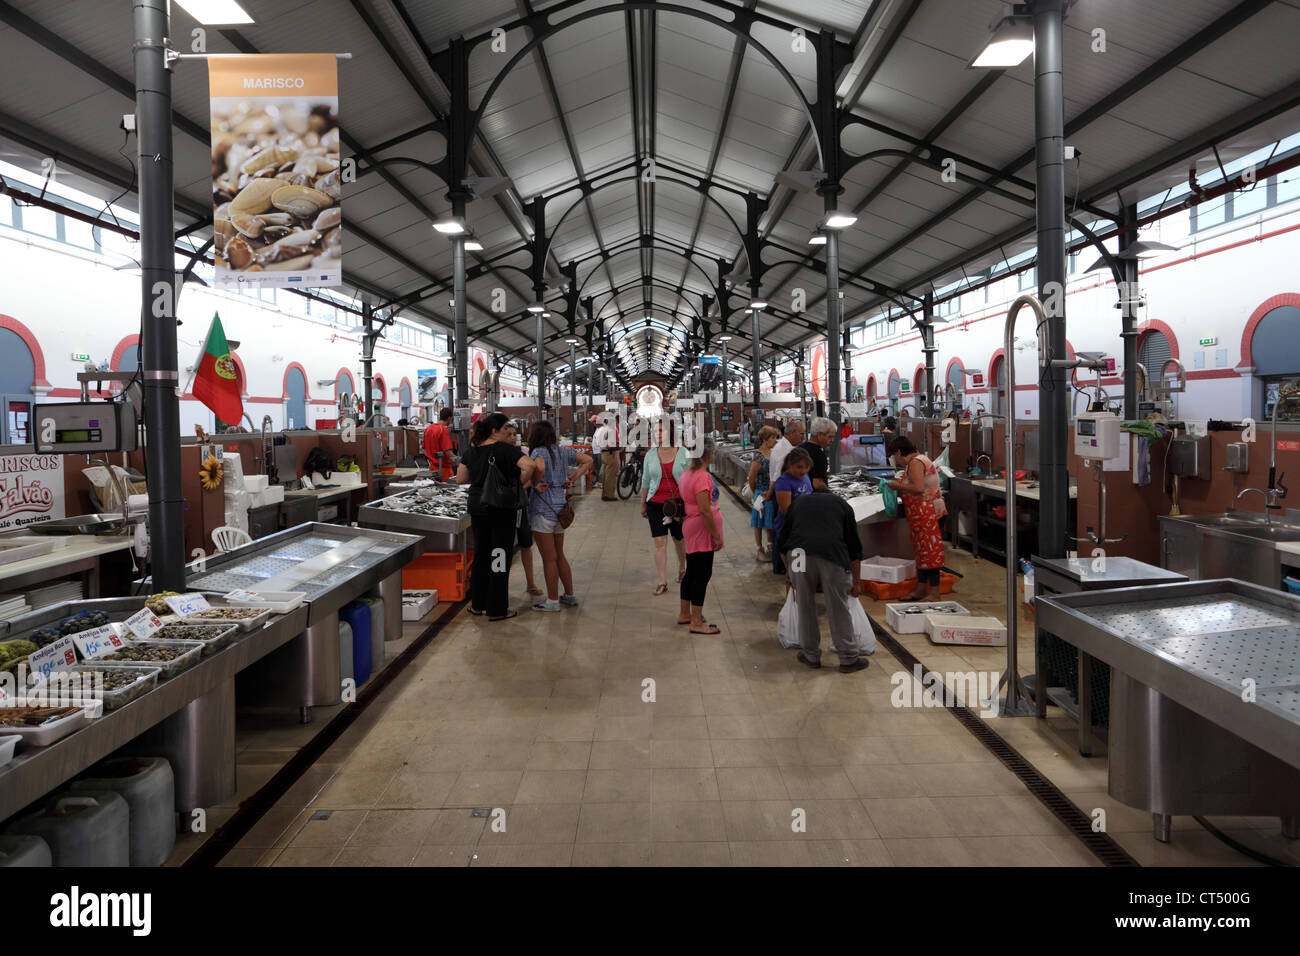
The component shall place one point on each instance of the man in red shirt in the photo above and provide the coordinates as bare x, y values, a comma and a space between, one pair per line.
437, 445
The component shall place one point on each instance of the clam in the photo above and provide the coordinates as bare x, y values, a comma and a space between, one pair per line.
276, 218
239, 253
296, 264
333, 244
329, 185
250, 226
328, 219
301, 201
256, 196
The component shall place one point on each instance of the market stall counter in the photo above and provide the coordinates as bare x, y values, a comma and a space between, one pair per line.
331, 566
438, 512
187, 717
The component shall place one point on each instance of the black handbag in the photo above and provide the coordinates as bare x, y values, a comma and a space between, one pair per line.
498, 492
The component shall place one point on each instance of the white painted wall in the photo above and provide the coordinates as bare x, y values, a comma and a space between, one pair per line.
74, 301
1217, 279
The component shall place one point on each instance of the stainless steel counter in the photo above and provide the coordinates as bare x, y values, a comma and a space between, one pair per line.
38, 770
440, 533
332, 565
1205, 694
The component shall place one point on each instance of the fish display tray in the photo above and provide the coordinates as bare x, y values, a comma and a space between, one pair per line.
192, 651
213, 637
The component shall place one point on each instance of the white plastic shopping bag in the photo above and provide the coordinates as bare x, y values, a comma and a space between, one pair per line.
787, 623
866, 636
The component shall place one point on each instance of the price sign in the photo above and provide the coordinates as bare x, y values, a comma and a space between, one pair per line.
184, 604
143, 623
62, 653
98, 642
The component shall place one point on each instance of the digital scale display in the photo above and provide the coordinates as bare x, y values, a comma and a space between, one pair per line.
1086, 426
81, 434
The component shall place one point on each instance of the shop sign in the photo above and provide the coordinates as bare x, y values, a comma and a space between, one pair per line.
276, 166
31, 489
905, 387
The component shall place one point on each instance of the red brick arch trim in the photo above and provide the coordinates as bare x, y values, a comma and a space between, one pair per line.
1248, 333
38, 357
1155, 325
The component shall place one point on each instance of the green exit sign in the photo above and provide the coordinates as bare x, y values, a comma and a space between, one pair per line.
1210, 340
81, 356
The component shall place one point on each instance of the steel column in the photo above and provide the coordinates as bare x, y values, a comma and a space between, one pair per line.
1128, 294
541, 365
1054, 398
929, 348
573, 391
159, 378
757, 388
367, 359
833, 334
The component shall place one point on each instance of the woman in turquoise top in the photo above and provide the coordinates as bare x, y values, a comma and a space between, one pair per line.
664, 465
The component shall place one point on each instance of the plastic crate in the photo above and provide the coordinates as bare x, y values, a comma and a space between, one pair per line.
885, 591
889, 570
446, 573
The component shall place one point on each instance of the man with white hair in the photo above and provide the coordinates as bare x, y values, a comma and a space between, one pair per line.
821, 433
792, 436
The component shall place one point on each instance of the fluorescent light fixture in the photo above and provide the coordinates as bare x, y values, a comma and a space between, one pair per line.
473, 245
536, 307
758, 305
724, 338
840, 219
1010, 43
573, 341
214, 12
818, 238
450, 225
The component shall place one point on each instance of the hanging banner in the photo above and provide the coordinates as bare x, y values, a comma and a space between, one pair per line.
31, 489
817, 381
276, 175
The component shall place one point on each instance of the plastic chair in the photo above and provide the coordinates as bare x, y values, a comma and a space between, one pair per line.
228, 538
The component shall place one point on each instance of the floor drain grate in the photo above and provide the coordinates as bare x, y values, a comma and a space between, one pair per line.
1102, 845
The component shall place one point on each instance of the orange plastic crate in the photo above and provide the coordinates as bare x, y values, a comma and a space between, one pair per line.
883, 591
448, 574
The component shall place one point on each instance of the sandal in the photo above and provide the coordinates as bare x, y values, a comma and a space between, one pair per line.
711, 629
505, 617
660, 589
535, 592
688, 621
477, 613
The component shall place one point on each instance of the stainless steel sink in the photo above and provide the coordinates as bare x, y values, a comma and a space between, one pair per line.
1227, 521
1269, 533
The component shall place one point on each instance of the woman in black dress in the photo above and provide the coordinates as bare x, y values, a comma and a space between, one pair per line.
494, 528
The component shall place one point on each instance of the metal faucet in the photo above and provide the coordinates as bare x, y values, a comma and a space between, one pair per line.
268, 453
1270, 501
1275, 489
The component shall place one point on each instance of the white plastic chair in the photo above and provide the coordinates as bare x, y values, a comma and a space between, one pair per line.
228, 538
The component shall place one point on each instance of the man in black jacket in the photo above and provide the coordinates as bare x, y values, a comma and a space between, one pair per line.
820, 543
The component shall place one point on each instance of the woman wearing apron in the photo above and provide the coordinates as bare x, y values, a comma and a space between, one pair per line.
923, 501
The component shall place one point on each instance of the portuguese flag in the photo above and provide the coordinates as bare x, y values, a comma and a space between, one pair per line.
216, 381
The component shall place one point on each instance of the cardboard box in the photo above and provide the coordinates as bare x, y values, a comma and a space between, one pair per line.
416, 604
910, 618
889, 570
964, 629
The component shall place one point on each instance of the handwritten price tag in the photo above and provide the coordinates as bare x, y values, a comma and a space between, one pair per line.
143, 623
98, 642
62, 653
184, 604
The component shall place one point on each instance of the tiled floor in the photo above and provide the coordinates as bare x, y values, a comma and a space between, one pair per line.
536, 742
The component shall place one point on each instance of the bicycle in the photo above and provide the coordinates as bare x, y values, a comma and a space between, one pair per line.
629, 478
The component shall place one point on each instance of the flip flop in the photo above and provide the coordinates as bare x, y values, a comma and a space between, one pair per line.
710, 630
505, 617
660, 589
687, 621
477, 613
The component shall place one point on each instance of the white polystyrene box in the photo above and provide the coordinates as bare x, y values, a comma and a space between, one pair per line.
910, 618
964, 629
888, 570
255, 483
416, 604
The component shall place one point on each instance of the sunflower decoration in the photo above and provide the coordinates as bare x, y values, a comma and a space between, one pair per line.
210, 473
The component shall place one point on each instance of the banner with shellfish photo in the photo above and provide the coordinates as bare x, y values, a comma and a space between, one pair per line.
277, 214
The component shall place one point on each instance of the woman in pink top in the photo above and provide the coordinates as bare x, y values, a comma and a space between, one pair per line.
702, 531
